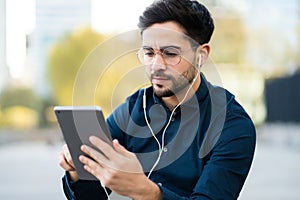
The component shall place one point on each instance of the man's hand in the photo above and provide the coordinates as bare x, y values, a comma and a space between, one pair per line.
66, 162
119, 170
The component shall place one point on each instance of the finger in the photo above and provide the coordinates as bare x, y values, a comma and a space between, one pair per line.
64, 164
120, 149
107, 150
92, 167
67, 156
97, 156
88, 161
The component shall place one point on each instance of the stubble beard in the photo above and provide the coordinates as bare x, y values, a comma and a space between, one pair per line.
178, 84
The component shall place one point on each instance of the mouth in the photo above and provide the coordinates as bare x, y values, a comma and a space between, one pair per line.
159, 80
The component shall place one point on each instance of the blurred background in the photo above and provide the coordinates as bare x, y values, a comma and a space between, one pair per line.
45, 43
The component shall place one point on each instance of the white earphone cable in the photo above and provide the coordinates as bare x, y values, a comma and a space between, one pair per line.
162, 145
103, 186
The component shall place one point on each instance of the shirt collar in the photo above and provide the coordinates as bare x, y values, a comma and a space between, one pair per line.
201, 92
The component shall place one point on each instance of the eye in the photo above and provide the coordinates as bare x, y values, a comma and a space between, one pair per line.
148, 52
171, 52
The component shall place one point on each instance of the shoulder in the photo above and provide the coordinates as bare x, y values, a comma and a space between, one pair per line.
227, 109
130, 102
239, 130
237, 116
230, 125
124, 112
135, 96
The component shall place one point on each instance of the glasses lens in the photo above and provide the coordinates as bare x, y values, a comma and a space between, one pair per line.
146, 56
171, 55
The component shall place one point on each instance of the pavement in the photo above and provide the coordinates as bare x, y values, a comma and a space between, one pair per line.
29, 167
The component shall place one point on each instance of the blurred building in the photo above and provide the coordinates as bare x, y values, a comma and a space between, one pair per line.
3, 63
282, 99
54, 18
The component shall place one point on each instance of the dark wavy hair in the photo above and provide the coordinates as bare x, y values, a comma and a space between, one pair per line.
191, 15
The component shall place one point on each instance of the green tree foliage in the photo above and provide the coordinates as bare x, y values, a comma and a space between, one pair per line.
65, 59
19, 97
20, 108
86, 70
110, 73
25, 99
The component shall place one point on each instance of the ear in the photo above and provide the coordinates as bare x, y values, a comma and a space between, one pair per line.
203, 51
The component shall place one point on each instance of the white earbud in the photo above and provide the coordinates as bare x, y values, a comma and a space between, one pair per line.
199, 62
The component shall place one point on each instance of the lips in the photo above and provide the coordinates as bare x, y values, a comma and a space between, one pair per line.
158, 80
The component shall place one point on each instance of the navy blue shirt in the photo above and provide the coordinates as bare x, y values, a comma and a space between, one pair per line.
208, 145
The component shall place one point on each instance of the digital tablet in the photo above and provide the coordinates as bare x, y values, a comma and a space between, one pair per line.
77, 124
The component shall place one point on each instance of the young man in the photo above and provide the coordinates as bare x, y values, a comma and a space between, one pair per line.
181, 138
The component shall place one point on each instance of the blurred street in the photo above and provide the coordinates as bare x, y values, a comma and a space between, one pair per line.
30, 171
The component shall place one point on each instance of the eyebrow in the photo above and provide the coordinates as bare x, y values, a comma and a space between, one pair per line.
162, 47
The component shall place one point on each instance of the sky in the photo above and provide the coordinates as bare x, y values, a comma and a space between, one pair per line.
125, 19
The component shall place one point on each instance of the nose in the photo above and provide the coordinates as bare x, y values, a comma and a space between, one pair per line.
158, 62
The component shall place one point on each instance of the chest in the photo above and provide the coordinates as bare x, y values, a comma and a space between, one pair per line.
180, 174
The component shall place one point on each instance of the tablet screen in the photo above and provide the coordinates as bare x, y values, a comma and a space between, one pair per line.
77, 124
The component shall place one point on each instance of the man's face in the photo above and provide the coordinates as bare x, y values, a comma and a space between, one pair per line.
172, 57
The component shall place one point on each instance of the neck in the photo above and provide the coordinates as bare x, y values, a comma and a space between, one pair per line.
182, 96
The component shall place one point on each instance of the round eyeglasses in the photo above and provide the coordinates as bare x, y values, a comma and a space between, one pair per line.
170, 55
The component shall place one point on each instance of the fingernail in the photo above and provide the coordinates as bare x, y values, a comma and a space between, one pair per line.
83, 148
115, 141
91, 137
81, 158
